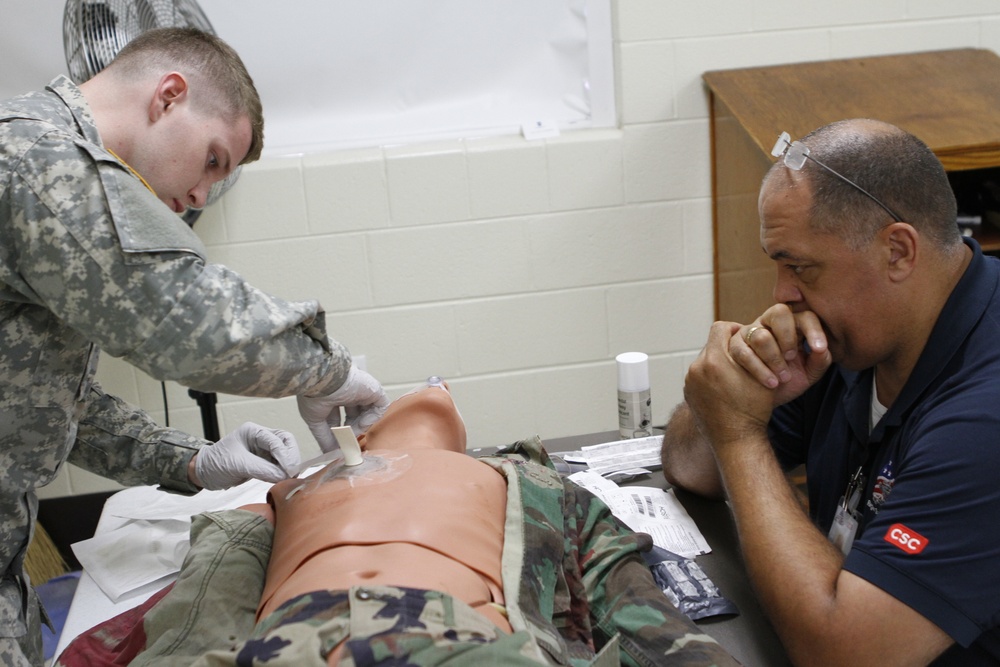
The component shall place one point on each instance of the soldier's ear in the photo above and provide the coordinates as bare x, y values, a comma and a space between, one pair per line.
171, 90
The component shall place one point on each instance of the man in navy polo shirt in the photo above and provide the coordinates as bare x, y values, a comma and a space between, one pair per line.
879, 369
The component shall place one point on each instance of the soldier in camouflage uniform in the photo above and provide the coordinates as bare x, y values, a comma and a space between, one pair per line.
576, 588
91, 259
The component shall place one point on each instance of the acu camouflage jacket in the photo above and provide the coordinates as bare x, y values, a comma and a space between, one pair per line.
91, 260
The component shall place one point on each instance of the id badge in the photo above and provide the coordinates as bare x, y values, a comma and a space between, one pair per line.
844, 529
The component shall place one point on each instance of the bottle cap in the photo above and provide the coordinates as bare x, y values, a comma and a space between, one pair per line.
633, 371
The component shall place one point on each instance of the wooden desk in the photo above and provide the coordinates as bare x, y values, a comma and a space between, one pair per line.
949, 99
749, 637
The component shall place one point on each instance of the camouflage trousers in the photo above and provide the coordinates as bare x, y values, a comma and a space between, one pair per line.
207, 617
382, 625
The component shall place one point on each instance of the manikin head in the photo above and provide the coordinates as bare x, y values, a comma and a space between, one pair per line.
422, 419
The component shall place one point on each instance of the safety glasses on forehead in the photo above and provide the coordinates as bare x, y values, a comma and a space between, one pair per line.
795, 154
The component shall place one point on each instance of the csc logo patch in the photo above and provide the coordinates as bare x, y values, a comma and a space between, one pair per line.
908, 540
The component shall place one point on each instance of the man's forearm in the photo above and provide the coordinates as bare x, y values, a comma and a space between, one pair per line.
688, 461
792, 565
824, 614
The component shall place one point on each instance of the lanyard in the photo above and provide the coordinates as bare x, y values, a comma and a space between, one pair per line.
134, 172
855, 486
846, 518
857, 482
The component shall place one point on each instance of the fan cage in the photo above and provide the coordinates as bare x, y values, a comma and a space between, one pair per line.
94, 31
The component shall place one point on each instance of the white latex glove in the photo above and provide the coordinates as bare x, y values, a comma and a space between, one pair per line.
251, 451
362, 398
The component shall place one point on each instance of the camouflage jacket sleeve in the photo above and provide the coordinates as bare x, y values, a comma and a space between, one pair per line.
577, 576
123, 443
622, 596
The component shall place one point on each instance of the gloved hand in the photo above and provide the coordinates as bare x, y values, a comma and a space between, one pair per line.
362, 398
251, 451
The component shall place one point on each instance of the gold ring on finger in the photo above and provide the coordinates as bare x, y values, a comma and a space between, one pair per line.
750, 332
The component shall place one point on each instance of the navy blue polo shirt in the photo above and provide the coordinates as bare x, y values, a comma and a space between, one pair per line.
929, 533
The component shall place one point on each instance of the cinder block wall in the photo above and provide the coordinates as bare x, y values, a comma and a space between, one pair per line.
518, 269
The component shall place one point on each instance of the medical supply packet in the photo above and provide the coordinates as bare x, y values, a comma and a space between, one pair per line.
686, 585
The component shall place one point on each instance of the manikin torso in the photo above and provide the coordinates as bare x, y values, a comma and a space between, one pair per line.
418, 512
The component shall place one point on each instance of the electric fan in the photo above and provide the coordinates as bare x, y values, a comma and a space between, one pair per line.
94, 31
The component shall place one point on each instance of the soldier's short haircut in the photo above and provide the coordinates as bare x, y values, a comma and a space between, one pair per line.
220, 79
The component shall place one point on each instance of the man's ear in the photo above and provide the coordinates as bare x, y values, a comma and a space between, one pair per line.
902, 241
171, 89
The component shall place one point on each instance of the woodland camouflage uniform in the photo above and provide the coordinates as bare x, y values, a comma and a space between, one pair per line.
574, 583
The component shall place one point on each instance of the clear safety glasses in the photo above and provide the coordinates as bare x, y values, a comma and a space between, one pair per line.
795, 154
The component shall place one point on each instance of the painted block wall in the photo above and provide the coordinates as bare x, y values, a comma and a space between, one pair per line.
518, 269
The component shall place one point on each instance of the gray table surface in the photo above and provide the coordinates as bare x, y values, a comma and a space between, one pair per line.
748, 636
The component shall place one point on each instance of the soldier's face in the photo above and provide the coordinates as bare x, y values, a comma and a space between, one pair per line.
187, 151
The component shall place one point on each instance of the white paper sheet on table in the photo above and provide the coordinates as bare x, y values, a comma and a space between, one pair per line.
134, 555
649, 510
154, 536
147, 502
632, 456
